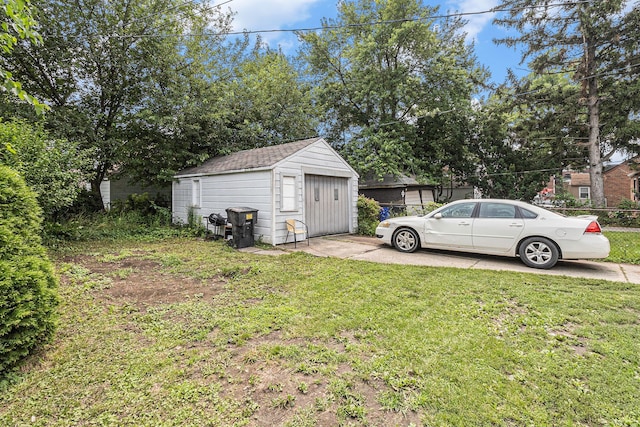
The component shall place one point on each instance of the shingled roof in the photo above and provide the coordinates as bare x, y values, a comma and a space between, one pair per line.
249, 159
389, 181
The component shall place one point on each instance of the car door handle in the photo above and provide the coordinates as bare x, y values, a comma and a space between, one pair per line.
515, 224
464, 223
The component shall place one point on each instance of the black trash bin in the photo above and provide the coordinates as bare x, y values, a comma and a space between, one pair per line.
242, 221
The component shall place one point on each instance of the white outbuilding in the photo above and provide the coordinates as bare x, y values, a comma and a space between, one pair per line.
304, 180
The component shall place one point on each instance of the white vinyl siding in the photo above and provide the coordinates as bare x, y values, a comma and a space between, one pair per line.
105, 192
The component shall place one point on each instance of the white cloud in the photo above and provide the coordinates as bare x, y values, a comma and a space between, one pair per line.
269, 14
477, 21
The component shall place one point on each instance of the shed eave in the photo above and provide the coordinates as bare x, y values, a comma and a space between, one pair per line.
213, 173
321, 141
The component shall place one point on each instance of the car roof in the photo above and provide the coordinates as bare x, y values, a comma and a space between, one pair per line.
537, 209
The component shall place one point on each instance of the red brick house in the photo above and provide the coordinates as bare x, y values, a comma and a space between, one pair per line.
622, 182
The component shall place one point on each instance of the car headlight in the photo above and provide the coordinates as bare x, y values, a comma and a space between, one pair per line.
384, 224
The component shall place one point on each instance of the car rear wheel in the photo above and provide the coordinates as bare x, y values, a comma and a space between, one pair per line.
406, 240
538, 252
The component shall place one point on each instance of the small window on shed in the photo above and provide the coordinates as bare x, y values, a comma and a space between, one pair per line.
195, 193
288, 193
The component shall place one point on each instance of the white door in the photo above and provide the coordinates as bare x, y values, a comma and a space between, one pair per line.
497, 228
452, 230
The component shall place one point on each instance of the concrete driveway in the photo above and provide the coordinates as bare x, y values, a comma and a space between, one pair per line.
370, 249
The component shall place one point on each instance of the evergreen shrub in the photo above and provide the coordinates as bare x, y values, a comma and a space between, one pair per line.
28, 285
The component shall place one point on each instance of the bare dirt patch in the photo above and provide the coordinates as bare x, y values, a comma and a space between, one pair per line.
142, 282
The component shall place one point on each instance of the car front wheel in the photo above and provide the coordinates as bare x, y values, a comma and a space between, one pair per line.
538, 252
406, 240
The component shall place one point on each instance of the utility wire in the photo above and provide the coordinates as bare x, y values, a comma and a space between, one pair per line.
360, 25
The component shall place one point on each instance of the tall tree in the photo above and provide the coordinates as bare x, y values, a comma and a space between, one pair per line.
257, 99
269, 101
521, 138
596, 43
101, 60
393, 80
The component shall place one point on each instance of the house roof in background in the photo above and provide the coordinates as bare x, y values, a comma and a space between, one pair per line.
580, 179
257, 158
390, 181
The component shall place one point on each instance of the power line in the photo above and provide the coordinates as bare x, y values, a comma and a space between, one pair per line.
608, 73
360, 25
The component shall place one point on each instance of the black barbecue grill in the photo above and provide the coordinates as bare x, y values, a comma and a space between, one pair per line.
221, 229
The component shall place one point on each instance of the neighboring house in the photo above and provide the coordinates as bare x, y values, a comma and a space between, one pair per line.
578, 184
118, 187
402, 191
621, 182
305, 180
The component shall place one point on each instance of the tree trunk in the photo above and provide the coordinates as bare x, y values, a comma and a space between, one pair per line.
593, 104
595, 160
101, 170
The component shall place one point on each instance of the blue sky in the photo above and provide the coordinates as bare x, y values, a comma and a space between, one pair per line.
257, 15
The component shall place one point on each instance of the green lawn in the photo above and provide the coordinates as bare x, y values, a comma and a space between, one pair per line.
625, 247
192, 333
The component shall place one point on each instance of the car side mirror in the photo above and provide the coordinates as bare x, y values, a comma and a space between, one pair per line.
438, 215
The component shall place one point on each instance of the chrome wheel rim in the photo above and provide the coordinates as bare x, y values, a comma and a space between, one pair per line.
538, 253
405, 240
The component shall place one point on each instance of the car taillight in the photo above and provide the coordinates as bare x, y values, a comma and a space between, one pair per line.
594, 227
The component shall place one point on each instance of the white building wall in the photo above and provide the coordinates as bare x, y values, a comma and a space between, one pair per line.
105, 193
181, 200
316, 159
219, 192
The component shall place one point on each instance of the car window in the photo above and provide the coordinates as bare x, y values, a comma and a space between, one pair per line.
527, 214
497, 210
461, 210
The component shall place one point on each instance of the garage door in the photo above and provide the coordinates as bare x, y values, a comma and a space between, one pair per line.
326, 205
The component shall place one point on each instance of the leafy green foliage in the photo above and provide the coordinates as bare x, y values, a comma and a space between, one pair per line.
28, 285
55, 169
596, 45
98, 73
170, 99
17, 24
520, 141
117, 224
368, 216
141, 203
258, 100
396, 95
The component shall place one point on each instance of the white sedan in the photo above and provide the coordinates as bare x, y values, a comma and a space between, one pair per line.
499, 227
